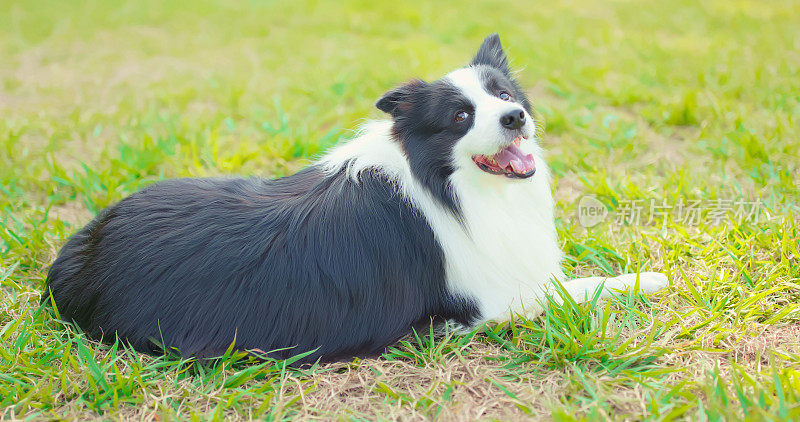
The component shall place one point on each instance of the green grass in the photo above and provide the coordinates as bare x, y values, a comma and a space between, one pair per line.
654, 101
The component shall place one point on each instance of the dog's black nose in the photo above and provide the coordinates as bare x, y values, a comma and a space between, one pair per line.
513, 120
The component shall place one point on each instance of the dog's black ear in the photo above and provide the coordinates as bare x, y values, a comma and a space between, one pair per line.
388, 103
491, 54
398, 99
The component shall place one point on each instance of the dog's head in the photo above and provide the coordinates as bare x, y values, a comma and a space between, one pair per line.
474, 119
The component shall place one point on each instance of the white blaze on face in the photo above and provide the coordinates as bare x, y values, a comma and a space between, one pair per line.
486, 136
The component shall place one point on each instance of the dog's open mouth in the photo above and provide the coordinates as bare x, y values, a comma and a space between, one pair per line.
511, 162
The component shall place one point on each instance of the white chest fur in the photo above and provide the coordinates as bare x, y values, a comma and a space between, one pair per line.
506, 252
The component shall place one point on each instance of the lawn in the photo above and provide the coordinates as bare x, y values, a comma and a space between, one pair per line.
681, 119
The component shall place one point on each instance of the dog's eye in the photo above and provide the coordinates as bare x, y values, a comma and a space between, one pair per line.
505, 96
461, 116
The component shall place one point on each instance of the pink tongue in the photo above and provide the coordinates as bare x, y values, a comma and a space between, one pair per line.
519, 160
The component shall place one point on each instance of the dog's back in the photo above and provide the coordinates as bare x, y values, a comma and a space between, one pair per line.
310, 261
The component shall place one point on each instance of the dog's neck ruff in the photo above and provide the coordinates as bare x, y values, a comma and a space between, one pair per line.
502, 251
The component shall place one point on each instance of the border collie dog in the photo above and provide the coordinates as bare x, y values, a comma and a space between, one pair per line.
442, 213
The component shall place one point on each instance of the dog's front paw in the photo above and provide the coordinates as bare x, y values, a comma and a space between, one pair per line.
648, 282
